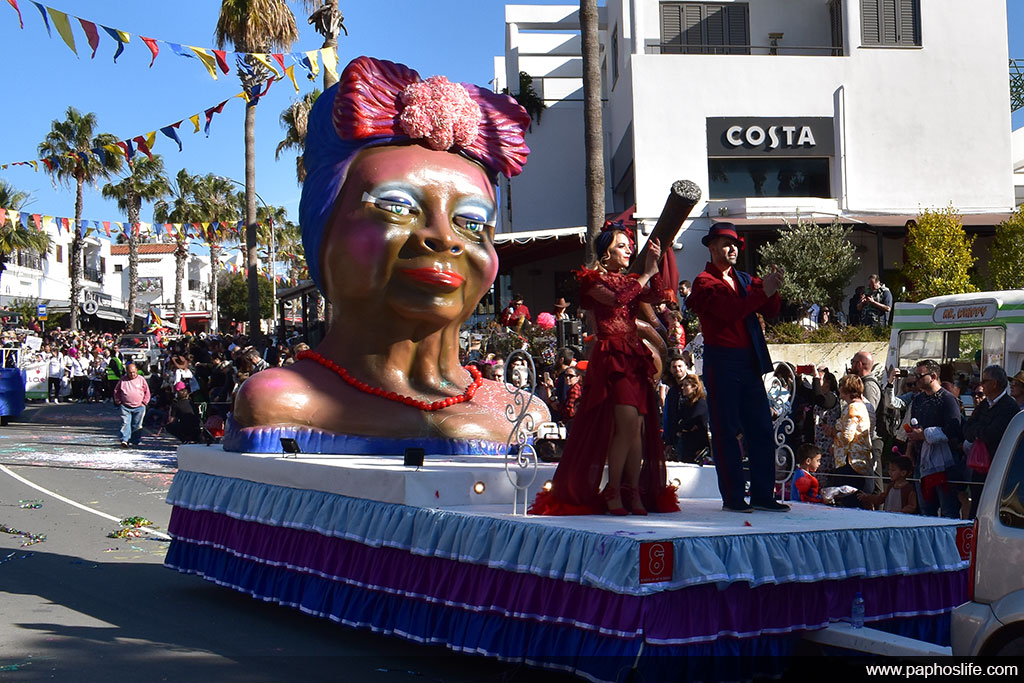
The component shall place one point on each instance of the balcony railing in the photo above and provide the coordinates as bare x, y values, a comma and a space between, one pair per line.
93, 275
29, 259
805, 50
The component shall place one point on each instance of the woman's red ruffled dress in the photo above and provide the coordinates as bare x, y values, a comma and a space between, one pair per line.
619, 372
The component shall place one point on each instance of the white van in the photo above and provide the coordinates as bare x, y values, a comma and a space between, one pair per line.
966, 332
992, 621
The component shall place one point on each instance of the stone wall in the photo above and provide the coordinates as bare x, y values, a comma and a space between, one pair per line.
836, 357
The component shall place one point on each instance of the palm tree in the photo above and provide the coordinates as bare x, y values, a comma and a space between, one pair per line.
178, 207
17, 238
68, 149
254, 26
147, 182
294, 120
326, 19
217, 200
592, 125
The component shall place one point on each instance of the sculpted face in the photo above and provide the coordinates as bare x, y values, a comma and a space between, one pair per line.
413, 228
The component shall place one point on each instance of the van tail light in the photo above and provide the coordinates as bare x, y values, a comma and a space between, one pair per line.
966, 543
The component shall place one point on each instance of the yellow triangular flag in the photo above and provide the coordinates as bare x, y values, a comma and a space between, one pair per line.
35, 165
290, 72
314, 64
114, 149
195, 122
47, 220
207, 59
60, 22
330, 58
151, 139
264, 59
206, 226
244, 95
125, 37
15, 215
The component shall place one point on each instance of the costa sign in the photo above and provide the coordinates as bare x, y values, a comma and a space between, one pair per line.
782, 136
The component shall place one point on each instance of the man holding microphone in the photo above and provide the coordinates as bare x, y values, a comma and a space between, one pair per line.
726, 301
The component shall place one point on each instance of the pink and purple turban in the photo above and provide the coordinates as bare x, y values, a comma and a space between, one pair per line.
377, 102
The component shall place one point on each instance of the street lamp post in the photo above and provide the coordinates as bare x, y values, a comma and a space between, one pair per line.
273, 253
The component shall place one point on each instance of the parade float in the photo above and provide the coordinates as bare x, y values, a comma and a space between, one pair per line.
378, 484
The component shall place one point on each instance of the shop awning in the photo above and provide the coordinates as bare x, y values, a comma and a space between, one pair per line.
518, 248
111, 315
972, 222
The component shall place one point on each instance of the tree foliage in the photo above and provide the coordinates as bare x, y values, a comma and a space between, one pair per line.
294, 120
819, 261
939, 259
527, 97
233, 297
1006, 255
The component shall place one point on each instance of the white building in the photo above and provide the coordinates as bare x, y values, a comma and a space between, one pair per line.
869, 110
46, 279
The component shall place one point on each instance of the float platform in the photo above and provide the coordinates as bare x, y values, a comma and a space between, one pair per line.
700, 594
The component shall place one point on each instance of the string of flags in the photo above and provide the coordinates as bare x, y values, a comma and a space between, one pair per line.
213, 60
144, 143
209, 231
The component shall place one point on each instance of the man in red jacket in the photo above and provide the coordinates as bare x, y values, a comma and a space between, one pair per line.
735, 357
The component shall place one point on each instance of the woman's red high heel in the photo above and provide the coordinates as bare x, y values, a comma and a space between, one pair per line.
608, 494
631, 499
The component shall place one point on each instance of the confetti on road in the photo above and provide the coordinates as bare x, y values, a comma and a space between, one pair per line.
30, 538
131, 527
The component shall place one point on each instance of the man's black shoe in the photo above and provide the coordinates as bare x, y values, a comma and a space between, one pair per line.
742, 507
770, 506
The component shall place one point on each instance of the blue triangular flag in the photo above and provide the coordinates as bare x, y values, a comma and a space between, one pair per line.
46, 17
170, 132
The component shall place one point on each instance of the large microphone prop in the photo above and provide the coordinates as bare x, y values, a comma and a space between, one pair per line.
683, 196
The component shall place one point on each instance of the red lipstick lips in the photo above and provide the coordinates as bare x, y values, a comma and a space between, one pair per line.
434, 277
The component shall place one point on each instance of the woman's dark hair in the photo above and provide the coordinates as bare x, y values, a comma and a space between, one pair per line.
904, 463
602, 242
833, 384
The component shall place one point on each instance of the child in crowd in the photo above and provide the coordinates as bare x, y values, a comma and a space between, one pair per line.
900, 495
805, 486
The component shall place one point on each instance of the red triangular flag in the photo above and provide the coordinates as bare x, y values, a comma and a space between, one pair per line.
3, 217
169, 227
14, 4
153, 47
279, 58
38, 220
209, 115
91, 34
222, 60
106, 226
140, 142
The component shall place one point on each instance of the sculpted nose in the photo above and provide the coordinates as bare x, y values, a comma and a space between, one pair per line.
438, 237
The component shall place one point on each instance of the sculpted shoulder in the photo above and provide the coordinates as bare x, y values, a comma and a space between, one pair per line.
275, 396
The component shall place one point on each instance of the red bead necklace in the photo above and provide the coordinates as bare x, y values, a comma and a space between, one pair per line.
392, 396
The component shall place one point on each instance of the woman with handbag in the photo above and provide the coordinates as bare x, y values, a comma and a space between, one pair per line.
985, 427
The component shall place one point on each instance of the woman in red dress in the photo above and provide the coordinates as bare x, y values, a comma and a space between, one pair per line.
617, 421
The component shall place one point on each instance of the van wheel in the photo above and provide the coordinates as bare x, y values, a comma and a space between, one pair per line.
1014, 648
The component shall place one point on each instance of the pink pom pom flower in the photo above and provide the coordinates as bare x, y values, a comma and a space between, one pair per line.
441, 112
545, 321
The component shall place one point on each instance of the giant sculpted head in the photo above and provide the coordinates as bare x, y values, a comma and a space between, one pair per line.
398, 212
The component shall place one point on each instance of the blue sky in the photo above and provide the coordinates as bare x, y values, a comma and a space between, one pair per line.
457, 38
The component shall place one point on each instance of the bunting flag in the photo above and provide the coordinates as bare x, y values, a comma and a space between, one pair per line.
106, 228
209, 116
143, 143
14, 4
212, 60
63, 26
170, 132
120, 36
91, 35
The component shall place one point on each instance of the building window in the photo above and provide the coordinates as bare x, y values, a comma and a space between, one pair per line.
615, 56
118, 267
782, 177
705, 28
835, 13
891, 22
103, 265
60, 253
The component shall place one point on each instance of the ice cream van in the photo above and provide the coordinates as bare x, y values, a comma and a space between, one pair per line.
963, 332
